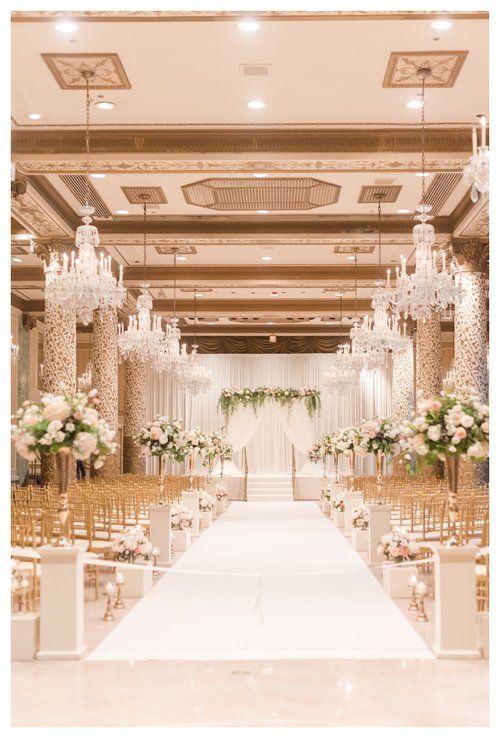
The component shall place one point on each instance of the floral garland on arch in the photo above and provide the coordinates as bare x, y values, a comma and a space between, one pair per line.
232, 397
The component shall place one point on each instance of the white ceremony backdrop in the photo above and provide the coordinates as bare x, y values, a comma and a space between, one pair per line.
269, 448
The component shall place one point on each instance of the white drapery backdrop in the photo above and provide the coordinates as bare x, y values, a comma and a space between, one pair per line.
267, 436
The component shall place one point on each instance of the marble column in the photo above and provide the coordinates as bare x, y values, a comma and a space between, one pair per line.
471, 320
134, 415
105, 378
23, 386
403, 383
59, 364
429, 361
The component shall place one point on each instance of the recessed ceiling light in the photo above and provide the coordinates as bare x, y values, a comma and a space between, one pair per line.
403, 211
351, 258
256, 104
269, 323
66, 26
34, 116
122, 212
262, 212
415, 104
421, 174
441, 25
339, 294
97, 175
105, 105
266, 258
16, 259
249, 26
260, 175
181, 258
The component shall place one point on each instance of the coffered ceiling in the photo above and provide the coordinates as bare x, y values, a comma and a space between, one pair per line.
257, 201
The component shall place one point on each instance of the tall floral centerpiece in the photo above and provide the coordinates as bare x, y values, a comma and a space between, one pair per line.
347, 443
320, 450
215, 448
63, 425
447, 427
380, 437
197, 442
225, 454
163, 438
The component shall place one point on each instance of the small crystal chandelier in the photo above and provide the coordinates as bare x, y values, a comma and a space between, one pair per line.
84, 283
141, 340
84, 381
362, 357
343, 377
477, 170
14, 351
429, 289
172, 357
195, 378
380, 334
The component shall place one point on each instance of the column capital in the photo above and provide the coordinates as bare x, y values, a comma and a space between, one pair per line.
471, 255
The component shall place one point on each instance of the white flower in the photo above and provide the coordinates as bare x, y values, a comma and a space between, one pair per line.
434, 432
56, 409
54, 426
466, 420
85, 444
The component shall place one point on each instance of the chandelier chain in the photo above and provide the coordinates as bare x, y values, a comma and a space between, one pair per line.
423, 139
87, 141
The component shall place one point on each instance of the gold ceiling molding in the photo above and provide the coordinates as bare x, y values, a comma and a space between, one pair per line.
35, 218
148, 16
107, 69
77, 184
440, 189
178, 248
479, 225
403, 66
155, 195
390, 193
209, 141
309, 166
354, 248
278, 193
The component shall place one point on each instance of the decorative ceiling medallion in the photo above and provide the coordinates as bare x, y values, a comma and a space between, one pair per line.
440, 189
403, 66
67, 69
389, 193
155, 195
283, 193
178, 249
346, 248
77, 185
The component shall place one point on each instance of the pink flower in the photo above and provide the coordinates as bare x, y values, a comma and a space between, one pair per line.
436, 405
460, 433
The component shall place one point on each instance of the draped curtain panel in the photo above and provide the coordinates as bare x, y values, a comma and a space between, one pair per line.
269, 449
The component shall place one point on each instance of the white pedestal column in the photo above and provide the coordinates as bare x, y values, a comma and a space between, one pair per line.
351, 500
191, 500
160, 532
379, 525
138, 581
61, 603
456, 615
25, 630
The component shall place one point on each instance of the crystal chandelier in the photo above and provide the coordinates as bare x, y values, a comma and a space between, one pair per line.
342, 377
142, 338
14, 351
380, 334
194, 378
85, 283
84, 381
362, 357
172, 357
477, 170
429, 289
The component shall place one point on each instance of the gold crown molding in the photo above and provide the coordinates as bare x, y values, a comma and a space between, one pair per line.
108, 141
471, 219
203, 16
36, 217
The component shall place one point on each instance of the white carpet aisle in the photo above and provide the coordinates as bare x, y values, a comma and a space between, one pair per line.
269, 580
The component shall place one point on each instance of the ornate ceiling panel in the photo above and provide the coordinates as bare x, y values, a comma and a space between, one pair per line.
67, 69
155, 195
403, 67
390, 193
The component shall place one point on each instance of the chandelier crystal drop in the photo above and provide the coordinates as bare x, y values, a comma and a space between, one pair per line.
84, 381
141, 340
85, 282
477, 170
429, 289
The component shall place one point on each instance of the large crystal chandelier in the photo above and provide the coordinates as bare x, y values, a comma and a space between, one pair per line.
379, 334
142, 338
477, 170
172, 357
84, 283
429, 289
194, 378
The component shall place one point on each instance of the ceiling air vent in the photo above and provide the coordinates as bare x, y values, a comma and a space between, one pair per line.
255, 70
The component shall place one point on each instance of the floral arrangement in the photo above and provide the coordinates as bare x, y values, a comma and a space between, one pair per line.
447, 426
380, 434
226, 451
131, 544
315, 453
360, 518
397, 547
207, 502
220, 492
66, 422
321, 448
232, 397
338, 502
163, 437
181, 517
346, 440
201, 442
326, 494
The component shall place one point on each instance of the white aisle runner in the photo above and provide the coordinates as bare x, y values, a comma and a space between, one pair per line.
269, 580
